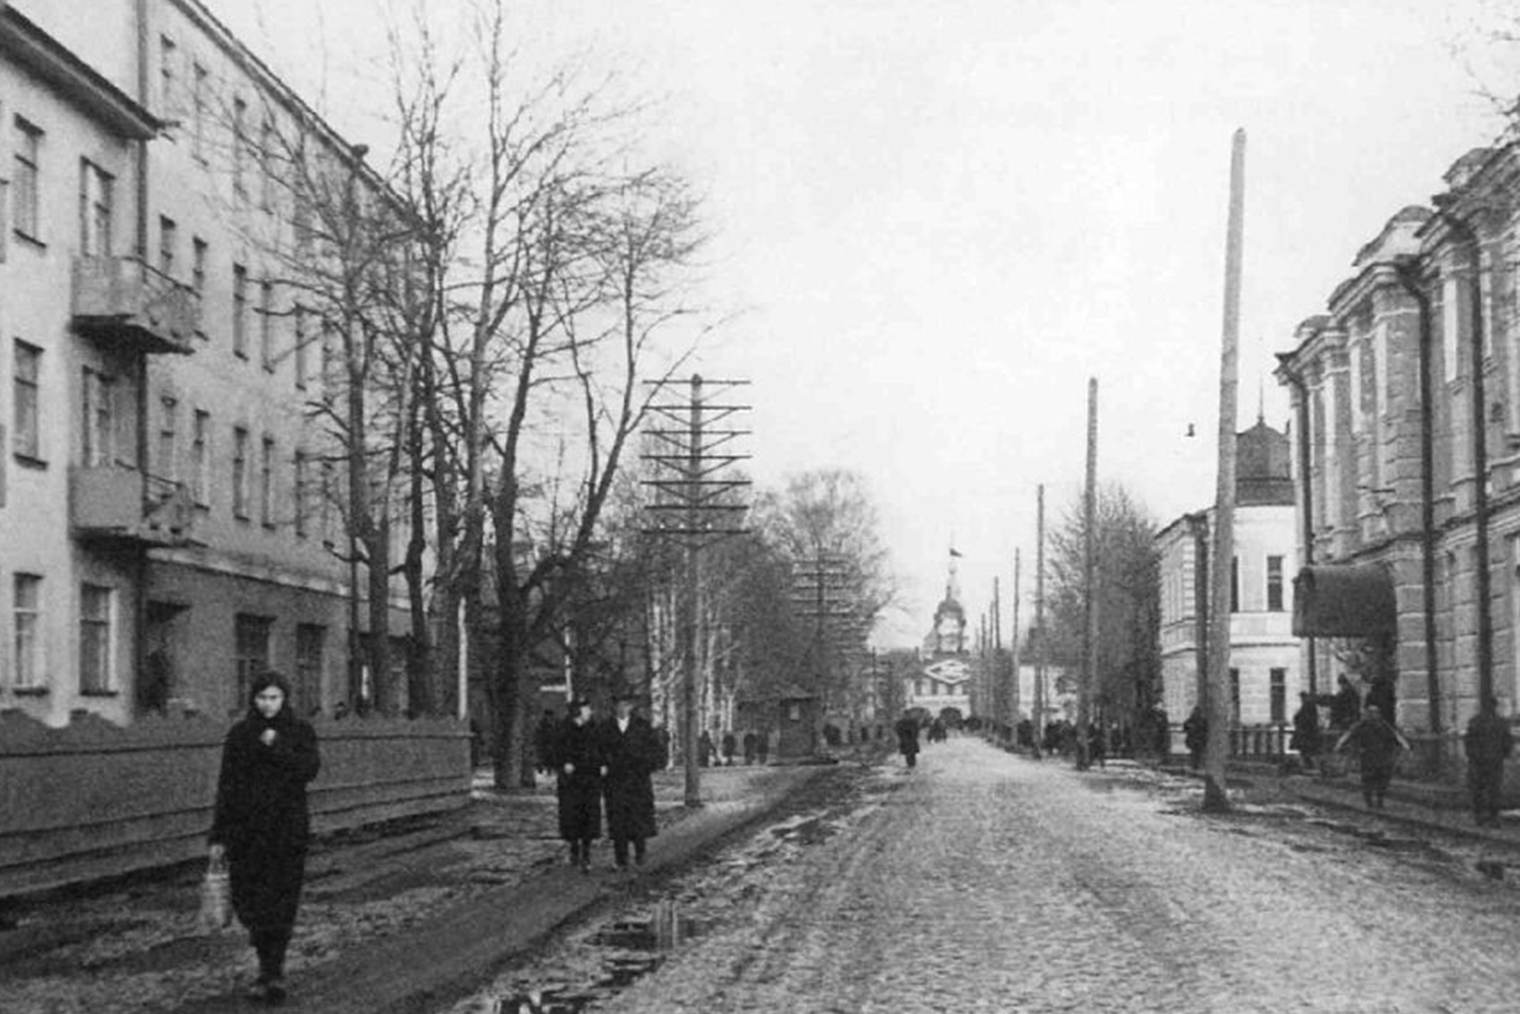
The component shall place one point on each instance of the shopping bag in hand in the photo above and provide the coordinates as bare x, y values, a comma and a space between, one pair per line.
216, 898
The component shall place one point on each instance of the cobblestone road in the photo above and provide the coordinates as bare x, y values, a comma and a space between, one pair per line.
985, 882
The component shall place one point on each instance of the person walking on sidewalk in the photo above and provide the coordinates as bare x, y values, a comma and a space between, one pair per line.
578, 775
907, 739
1488, 742
1306, 739
1195, 736
261, 825
1377, 745
631, 754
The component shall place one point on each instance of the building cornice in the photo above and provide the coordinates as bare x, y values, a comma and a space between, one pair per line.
44, 56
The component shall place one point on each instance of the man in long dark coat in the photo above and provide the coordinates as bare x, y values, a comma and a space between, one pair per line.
907, 739
578, 767
1306, 730
1487, 743
631, 753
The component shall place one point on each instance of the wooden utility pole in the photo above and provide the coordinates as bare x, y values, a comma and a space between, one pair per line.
1039, 624
1089, 579
1217, 751
1013, 689
696, 508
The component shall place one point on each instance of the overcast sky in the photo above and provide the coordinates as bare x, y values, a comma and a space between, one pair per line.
941, 218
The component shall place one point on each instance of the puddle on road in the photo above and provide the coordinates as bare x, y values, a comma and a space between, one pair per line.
633, 949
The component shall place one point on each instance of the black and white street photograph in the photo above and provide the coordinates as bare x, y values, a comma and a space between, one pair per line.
737, 507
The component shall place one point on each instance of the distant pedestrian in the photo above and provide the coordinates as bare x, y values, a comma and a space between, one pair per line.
578, 774
543, 741
1345, 706
1381, 696
907, 740
631, 753
1195, 736
1488, 743
1306, 735
261, 826
751, 746
729, 746
1377, 745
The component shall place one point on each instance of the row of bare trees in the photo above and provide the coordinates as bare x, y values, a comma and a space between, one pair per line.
496, 301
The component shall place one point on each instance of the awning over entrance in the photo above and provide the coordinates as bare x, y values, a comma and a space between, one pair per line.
1344, 600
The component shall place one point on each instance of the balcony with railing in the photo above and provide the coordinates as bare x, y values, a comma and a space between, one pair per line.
125, 300
121, 504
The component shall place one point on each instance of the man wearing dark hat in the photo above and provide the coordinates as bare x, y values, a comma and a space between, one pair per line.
631, 754
578, 768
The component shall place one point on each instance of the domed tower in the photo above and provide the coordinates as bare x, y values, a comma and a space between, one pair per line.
948, 635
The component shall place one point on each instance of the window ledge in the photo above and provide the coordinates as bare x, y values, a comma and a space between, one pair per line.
99, 693
27, 461
30, 691
29, 239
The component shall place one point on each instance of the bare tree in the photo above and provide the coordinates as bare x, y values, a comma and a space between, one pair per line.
1127, 596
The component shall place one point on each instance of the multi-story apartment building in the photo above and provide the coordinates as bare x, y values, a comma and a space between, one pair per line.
168, 507
1264, 654
1422, 492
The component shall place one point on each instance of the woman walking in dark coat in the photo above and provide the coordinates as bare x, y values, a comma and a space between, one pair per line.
907, 739
578, 763
631, 754
261, 826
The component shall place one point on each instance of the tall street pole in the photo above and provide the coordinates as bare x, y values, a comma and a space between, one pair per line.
693, 797
1217, 751
1089, 578
1039, 623
1013, 690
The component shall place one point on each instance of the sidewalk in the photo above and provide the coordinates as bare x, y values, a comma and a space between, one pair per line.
395, 922
1434, 805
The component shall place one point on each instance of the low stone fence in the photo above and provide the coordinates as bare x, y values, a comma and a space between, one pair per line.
94, 799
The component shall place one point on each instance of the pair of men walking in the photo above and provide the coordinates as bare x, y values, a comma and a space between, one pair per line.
607, 764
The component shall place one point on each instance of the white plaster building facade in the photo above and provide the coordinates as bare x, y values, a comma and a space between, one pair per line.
167, 505
1264, 655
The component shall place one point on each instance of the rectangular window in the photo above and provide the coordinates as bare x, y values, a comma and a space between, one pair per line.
167, 466
28, 378
200, 82
1278, 687
264, 157
168, 243
27, 622
239, 146
240, 473
328, 493
95, 186
298, 492
250, 650
99, 423
239, 310
200, 459
303, 360
266, 484
1235, 584
1274, 584
168, 58
310, 651
96, 669
28, 155
1234, 696
266, 325
198, 250
300, 220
